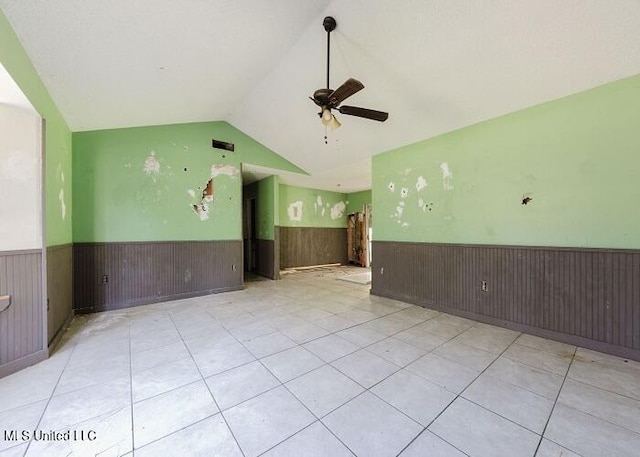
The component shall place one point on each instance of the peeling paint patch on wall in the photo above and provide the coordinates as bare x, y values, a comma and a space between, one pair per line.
222, 169
63, 206
447, 176
391, 186
151, 165
192, 193
295, 211
318, 205
421, 183
337, 211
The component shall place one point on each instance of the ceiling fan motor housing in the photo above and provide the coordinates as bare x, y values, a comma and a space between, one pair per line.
321, 96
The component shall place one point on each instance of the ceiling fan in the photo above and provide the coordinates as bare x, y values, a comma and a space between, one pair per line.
328, 99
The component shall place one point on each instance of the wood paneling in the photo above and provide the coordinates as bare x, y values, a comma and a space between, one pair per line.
146, 272
589, 297
60, 289
305, 246
21, 324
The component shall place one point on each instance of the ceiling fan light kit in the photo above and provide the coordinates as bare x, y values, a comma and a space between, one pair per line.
328, 99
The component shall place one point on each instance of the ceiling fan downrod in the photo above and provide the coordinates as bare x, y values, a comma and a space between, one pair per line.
329, 25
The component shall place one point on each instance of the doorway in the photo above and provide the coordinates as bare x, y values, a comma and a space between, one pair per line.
23, 312
252, 259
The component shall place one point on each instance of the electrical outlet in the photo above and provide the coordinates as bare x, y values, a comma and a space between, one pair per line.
485, 288
105, 279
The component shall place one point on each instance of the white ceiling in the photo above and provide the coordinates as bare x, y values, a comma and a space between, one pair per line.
435, 65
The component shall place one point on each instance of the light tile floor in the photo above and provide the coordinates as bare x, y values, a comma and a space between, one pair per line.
312, 366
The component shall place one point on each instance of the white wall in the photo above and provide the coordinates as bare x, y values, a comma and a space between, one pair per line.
20, 179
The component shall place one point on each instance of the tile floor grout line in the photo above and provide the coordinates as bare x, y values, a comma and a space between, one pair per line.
637, 400
544, 430
500, 415
50, 397
601, 419
299, 431
176, 431
534, 367
426, 429
209, 390
564, 448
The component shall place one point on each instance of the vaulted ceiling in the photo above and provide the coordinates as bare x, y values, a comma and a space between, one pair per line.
434, 65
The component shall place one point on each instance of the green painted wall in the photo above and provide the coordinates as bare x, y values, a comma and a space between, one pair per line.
141, 184
58, 137
577, 158
267, 207
265, 193
302, 207
357, 200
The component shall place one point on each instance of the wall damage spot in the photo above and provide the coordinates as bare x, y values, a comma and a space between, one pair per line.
526, 198
63, 206
392, 186
223, 169
338, 210
202, 211
151, 165
318, 205
447, 176
427, 206
294, 211
421, 183
404, 192
207, 192
202, 208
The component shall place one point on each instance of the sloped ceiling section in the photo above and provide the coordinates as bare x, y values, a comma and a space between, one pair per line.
122, 63
435, 65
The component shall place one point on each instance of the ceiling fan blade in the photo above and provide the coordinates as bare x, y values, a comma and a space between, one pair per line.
348, 88
364, 112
